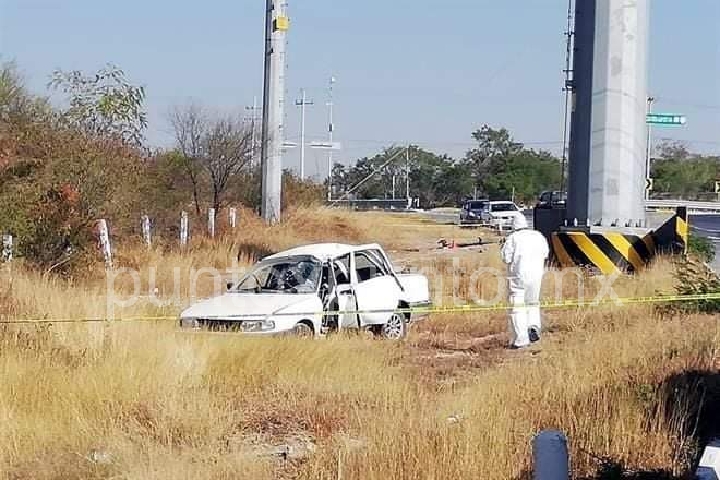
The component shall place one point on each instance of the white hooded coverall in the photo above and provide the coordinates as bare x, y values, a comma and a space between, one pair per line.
524, 252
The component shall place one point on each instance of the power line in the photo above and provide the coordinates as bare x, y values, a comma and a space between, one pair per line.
686, 104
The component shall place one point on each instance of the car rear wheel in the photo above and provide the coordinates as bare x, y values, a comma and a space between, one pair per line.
394, 329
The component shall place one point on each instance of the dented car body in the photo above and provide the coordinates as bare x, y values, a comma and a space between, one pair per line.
314, 290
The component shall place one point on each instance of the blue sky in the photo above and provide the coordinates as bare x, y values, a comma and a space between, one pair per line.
422, 71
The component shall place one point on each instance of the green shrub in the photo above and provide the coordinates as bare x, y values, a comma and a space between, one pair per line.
694, 277
702, 247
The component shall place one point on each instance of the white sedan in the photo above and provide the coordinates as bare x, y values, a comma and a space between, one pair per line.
316, 289
499, 214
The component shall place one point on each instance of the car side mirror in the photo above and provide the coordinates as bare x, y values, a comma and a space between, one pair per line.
229, 285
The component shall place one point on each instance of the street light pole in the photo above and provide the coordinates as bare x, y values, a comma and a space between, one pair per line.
302, 103
331, 127
648, 148
253, 129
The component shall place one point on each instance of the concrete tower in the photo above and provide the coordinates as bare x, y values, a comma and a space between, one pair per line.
619, 107
608, 130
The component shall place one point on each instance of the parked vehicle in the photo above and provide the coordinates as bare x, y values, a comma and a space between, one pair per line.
314, 290
552, 199
471, 211
499, 214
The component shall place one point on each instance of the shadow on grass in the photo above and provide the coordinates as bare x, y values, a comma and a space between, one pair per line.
689, 402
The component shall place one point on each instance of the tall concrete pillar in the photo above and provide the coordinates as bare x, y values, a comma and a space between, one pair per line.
273, 130
580, 119
618, 127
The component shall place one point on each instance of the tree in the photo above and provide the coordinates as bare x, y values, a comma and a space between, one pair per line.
501, 165
189, 124
434, 179
216, 148
103, 104
679, 172
493, 145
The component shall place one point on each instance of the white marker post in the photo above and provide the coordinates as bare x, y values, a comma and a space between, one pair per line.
184, 228
7, 249
232, 214
211, 222
146, 230
104, 238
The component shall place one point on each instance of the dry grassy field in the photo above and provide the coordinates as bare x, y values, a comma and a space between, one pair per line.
631, 387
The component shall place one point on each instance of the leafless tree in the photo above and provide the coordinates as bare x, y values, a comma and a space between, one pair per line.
217, 146
190, 125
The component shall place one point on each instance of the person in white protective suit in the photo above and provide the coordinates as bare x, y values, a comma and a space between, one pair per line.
524, 252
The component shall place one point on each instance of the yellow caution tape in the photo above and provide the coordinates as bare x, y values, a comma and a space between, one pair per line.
466, 308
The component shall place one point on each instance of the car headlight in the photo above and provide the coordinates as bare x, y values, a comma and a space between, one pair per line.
189, 322
257, 325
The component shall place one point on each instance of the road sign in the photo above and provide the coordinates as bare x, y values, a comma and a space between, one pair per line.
665, 119
648, 184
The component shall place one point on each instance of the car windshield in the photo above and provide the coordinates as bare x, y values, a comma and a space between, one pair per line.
286, 275
475, 205
504, 207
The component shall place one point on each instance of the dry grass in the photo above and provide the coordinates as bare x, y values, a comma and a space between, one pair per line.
142, 400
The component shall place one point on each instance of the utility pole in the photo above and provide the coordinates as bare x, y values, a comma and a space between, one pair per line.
301, 103
407, 174
648, 146
568, 89
253, 118
276, 26
331, 127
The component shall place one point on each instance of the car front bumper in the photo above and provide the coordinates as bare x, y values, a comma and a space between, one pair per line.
501, 222
230, 326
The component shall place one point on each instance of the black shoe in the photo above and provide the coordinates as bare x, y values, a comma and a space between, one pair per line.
533, 334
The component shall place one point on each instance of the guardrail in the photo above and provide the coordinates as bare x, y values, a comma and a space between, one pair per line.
691, 205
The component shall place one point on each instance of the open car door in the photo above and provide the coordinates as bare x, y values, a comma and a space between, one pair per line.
377, 291
340, 304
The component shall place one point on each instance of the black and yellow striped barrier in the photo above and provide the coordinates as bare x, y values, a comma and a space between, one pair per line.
613, 252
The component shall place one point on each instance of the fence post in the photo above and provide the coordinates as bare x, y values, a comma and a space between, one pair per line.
232, 213
550, 456
104, 237
184, 228
7, 249
211, 222
146, 230
709, 467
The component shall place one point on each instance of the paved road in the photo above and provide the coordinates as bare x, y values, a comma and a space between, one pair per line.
708, 226
702, 225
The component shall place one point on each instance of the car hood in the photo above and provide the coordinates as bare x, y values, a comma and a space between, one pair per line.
243, 305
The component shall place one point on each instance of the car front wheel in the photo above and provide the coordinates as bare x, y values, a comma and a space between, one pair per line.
302, 330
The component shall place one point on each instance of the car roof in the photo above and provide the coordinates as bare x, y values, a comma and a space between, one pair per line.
323, 251
496, 202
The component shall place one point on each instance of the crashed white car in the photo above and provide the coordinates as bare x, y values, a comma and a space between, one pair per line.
314, 290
